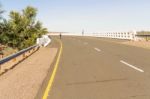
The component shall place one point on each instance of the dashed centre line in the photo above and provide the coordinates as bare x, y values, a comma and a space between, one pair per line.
97, 49
134, 67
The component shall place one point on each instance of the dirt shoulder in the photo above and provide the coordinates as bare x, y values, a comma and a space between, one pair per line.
142, 44
24, 81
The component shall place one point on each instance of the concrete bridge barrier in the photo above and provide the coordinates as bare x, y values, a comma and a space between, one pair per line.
129, 35
116, 35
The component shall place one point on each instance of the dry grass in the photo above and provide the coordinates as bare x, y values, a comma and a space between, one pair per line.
8, 51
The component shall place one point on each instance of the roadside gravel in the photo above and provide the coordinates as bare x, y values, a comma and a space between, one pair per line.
142, 44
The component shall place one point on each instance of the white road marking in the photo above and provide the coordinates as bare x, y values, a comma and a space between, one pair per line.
97, 49
138, 69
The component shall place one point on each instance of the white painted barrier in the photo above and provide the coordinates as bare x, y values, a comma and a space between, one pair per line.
43, 41
116, 35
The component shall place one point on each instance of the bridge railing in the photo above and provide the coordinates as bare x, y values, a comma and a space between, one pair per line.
117, 35
10, 61
130, 35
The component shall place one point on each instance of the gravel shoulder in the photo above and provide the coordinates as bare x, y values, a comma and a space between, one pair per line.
24, 81
142, 44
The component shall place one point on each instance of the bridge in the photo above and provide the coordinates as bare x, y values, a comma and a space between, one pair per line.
125, 35
78, 67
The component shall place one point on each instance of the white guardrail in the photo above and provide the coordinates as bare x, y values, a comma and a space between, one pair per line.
117, 35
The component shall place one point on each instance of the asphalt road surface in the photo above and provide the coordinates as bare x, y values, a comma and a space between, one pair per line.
93, 68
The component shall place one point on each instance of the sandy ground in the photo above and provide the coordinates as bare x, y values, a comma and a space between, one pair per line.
24, 81
143, 44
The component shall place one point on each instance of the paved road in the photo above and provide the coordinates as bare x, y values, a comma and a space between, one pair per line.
92, 68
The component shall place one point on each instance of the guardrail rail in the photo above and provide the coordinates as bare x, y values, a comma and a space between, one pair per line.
10, 61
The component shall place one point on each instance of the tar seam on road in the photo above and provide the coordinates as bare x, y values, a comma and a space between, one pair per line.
51, 80
138, 69
97, 49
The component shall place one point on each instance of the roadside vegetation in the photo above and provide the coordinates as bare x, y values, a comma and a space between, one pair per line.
21, 29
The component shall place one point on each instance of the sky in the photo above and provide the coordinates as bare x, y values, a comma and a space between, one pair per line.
90, 15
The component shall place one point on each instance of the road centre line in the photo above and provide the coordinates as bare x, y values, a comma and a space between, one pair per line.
97, 49
134, 67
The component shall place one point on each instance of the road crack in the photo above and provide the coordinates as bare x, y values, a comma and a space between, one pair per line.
96, 81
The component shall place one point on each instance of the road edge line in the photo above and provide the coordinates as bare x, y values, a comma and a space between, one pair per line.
51, 80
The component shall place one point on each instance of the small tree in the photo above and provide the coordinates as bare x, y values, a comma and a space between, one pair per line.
22, 28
